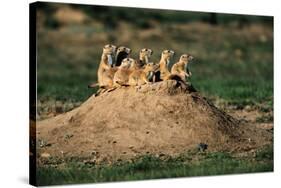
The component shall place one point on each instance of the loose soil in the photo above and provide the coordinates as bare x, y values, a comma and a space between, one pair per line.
164, 118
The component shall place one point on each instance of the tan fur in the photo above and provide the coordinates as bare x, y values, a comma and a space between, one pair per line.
105, 70
141, 76
121, 77
144, 57
164, 62
180, 68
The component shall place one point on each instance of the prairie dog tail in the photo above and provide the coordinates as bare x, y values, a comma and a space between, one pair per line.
122, 83
182, 82
93, 85
175, 77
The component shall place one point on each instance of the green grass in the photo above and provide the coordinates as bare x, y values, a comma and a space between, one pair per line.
233, 62
64, 74
149, 167
244, 87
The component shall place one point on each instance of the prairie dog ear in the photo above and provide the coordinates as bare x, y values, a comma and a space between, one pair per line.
190, 57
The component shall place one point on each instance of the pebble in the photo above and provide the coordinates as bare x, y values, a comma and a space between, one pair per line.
248, 108
202, 147
94, 152
45, 155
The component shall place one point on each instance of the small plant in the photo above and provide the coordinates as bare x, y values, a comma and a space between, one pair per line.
264, 119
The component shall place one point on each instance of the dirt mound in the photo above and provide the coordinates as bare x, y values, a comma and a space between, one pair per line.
164, 118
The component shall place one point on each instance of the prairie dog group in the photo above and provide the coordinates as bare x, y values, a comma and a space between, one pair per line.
108, 66
142, 76
117, 68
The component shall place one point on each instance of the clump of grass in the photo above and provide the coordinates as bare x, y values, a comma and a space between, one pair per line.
265, 154
264, 119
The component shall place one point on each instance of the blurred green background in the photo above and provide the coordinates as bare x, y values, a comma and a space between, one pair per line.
233, 53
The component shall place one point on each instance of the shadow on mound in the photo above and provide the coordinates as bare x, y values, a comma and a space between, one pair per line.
165, 118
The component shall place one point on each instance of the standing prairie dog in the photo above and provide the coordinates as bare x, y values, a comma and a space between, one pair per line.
144, 57
105, 70
180, 68
121, 77
122, 52
141, 76
164, 63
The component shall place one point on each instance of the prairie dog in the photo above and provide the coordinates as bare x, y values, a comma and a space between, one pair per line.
122, 52
105, 70
164, 63
142, 76
144, 57
121, 77
180, 68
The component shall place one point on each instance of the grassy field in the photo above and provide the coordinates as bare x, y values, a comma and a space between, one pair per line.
151, 167
233, 65
233, 59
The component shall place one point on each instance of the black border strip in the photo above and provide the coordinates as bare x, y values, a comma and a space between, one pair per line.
32, 93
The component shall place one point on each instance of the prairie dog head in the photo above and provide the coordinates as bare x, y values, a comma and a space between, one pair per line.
167, 54
127, 63
123, 49
186, 58
145, 54
122, 52
151, 67
109, 51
